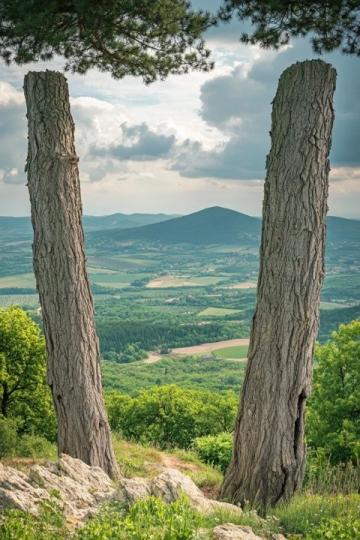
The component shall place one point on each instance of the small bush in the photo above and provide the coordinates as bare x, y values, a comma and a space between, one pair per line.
323, 477
215, 449
307, 513
337, 529
48, 525
148, 518
35, 446
8, 437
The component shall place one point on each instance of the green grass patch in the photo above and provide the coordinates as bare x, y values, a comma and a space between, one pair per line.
18, 280
238, 351
217, 312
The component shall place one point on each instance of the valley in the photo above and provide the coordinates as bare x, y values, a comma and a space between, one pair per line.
175, 285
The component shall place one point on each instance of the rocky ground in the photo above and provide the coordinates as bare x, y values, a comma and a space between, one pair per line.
81, 490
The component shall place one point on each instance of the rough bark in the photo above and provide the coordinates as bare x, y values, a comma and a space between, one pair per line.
59, 265
269, 453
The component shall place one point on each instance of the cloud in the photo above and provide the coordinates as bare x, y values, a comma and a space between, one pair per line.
13, 144
139, 143
239, 105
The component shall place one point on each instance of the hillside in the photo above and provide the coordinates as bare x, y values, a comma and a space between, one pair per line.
214, 225
20, 227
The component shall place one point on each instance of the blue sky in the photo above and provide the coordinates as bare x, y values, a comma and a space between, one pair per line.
186, 143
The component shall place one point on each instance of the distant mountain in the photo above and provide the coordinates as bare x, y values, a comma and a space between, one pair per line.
341, 229
122, 221
20, 227
214, 225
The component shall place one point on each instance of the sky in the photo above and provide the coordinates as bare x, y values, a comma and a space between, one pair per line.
183, 144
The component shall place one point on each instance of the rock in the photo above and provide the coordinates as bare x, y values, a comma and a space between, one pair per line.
228, 531
80, 488
171, 483
17, 492
132, 489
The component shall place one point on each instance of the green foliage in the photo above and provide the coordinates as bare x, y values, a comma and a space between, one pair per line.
14, 445
334, 408
48, 525
147, 38
332, 24
324, 477
188, 372
337, 529
170, 416
8, 437
24, 394
215, 449
148, 518
305, 513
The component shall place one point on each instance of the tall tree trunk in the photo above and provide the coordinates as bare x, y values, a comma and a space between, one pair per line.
269, 454
59, 265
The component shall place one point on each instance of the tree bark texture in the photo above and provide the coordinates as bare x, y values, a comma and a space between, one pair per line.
269, 452
59, 265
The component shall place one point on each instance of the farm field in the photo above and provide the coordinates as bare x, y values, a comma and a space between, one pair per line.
19, 300
204, 348
217, 312
165, 282
239, 352
18, 280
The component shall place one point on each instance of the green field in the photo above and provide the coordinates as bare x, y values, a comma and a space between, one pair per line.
239, 351
333, 305
19, 300
18, 280
217, 312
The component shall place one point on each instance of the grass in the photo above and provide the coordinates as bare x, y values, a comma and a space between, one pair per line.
306, 512
308, 516
332, 305
217, 312
238, 351
147, 461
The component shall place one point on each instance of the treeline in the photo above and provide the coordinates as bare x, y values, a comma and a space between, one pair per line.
116, 335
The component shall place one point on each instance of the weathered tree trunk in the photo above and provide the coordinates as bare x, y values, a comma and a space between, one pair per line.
59, 265
269, 453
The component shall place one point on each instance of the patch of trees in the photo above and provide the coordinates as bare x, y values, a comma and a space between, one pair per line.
116, 335
169, 416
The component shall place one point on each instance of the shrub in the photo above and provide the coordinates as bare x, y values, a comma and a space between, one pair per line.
333, 422
170, 416
337, 529
323, 477
148, 518
48, 525
306, 513
35, 446
215, 449
8, 437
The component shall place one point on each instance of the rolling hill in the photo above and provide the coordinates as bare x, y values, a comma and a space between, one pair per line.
210, 226
20, 227
214, 225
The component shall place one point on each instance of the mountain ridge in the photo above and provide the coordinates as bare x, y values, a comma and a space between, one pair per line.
214, 225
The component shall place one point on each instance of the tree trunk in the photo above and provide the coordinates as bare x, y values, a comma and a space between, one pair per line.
269, 452
59, 264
